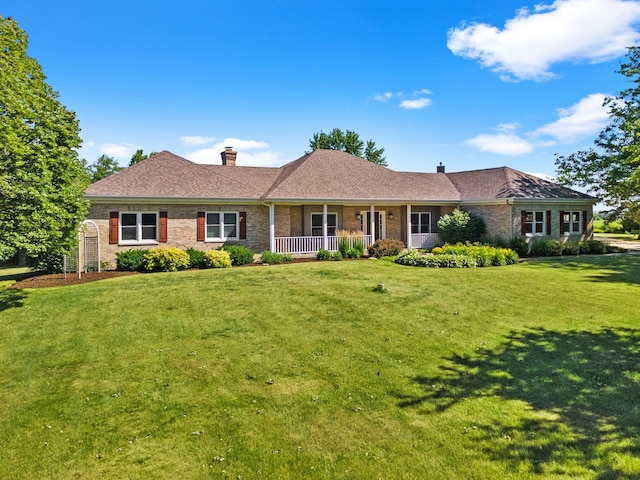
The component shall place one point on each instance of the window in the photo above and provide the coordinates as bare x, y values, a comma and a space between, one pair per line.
571, 222
316, 224
534, 223
138, 227
222, 226
420, 223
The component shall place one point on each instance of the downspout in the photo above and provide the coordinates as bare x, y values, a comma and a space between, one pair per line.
325, 239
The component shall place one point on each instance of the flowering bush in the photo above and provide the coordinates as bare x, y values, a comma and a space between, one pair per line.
217, 259
165, 259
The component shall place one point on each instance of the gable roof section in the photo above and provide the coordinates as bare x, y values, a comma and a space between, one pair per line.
505, 182
335, 175
166, 175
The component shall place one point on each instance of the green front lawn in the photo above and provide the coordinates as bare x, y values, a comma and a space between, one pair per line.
310, 371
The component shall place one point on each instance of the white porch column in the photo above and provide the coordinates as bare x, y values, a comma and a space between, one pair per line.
272, 227
409, 225
325, 228
372, 226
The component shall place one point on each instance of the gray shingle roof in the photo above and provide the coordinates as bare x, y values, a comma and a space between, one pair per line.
505, 182
320, 175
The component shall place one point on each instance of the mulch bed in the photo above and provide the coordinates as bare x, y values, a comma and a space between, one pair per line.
59, 280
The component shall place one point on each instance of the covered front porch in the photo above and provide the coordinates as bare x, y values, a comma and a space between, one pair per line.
306, 229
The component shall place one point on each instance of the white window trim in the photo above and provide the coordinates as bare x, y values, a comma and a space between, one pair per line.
570, 231
544, 224
221, 239
329, 214
420, 223
139, 240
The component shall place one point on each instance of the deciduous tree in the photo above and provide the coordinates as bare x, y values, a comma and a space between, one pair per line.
42, 181
611, 170
103, 167
349, 142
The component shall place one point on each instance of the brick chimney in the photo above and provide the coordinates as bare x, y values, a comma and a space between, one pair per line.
228, 157
440, 168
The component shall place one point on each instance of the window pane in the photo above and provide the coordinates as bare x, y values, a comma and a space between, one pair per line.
213, 231
213, 218
316, 231
539, 216
415, 228
229, 231
332, 220
149, 219
316, 220
149, 233
529, 217
230, 218
415, 218
128, 233
528, 228
539, 228
129, 219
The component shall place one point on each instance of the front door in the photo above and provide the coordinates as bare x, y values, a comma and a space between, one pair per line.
380, 225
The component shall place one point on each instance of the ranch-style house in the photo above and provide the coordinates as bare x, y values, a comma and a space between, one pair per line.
299, 207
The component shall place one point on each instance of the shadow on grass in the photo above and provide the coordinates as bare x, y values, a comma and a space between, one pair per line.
623, 268
581, 391
11, 298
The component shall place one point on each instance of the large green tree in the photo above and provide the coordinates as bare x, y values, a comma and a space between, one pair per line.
103, 167
139, 156
349, 142
42, 181
611, 170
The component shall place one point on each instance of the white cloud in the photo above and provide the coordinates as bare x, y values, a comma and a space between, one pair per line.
416, 104
505, 142
251, 153
383, 97
587, 117
415, 100
119, 150
194, 141
566, 30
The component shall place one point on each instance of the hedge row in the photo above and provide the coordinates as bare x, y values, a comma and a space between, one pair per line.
414, 258
171, 259
484, 255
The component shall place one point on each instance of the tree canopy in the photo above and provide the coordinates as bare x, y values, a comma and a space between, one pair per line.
42, 181
103, 167
349, 142
139, 156
611, 170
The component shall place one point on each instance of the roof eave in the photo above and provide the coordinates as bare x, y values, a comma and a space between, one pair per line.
106, 199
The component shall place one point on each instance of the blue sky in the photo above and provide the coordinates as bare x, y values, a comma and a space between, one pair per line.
471, 84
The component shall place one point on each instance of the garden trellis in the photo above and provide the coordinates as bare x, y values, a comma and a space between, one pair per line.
86, 257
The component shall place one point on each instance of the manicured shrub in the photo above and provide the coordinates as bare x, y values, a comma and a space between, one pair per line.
217, 259
275, 258
51, 261
196, 258
460, 226
596, 247
240, 255
353, 253
417, 259
130, 260
484, 255
519, 244
323, 254
545, 248
571, 248
165, 259
385, 248
337, 256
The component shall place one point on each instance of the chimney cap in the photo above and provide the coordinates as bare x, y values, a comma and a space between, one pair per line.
440, 168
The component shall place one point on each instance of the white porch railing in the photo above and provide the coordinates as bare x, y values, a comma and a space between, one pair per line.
296, 245
425, 240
